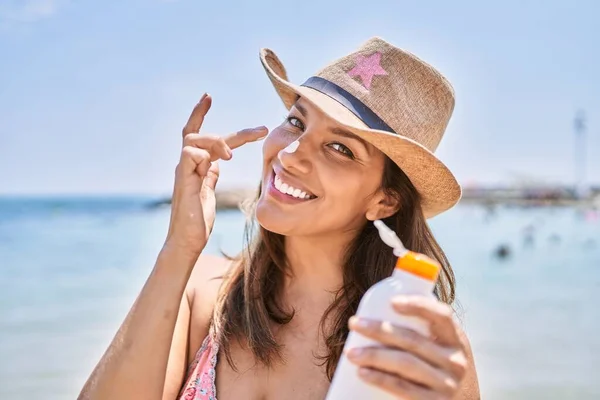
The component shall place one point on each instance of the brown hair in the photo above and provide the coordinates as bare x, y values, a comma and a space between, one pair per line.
249, 302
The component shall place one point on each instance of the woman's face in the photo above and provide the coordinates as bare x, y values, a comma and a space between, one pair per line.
331, 178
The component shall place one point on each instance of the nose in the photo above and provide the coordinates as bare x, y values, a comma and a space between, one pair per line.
293, 157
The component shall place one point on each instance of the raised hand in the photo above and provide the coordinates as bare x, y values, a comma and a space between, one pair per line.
193, 205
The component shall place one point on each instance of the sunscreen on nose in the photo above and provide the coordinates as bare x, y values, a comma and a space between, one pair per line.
292, 147
415, 274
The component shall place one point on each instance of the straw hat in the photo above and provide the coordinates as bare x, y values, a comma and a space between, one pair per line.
393, 100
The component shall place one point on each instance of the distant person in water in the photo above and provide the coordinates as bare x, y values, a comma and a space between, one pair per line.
356, 146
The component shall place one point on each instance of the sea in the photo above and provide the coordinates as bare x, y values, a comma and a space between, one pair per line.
528, 283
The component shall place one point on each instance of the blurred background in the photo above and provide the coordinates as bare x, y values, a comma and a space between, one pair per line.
93, 96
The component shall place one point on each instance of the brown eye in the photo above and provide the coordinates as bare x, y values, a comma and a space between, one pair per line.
340, 148
295, 122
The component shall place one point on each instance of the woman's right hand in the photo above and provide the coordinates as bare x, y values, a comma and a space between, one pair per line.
193, 204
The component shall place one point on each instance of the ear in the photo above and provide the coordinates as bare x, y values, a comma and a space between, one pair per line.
382, 206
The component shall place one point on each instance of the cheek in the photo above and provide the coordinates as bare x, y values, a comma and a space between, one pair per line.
340, 183
349, 187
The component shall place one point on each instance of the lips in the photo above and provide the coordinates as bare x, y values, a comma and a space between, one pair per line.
290, 190
290, 187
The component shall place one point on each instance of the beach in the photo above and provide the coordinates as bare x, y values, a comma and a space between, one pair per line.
70, 269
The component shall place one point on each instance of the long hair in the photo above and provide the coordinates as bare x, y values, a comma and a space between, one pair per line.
249, 302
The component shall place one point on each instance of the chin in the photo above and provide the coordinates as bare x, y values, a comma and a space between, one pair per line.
272, 219
284, 213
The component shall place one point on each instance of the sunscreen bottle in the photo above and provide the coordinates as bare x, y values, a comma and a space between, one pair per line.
415, 274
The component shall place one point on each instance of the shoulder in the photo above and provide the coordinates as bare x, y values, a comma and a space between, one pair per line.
206, 278
203, 289
208, 270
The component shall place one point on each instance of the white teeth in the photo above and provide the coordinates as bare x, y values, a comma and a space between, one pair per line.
290, 190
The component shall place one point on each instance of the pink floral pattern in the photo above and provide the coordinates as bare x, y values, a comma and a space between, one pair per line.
200, 384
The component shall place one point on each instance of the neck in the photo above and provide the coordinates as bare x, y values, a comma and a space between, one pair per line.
316, 268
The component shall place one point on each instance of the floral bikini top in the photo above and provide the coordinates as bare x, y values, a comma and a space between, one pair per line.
200, 383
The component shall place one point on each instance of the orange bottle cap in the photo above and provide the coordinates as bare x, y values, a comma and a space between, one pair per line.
420, 265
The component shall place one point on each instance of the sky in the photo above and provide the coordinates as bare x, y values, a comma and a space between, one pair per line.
93, 95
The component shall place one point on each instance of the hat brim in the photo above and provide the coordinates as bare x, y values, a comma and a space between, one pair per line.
437, 186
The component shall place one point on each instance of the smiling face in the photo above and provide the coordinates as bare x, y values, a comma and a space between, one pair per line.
318, 178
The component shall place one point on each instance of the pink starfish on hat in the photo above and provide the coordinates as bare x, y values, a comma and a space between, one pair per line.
367, 68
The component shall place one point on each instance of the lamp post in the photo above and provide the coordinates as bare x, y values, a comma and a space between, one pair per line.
580, 150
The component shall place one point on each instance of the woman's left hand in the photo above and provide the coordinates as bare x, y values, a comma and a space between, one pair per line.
410, 365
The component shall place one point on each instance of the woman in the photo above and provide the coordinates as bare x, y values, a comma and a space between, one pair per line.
356, 146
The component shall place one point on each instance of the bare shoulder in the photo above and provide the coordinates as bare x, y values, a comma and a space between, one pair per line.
202, 291
205, 281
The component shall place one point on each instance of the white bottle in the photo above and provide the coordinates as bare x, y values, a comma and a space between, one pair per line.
415, 274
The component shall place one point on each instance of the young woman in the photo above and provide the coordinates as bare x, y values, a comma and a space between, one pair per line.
356, 146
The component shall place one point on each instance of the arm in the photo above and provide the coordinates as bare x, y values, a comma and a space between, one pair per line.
138, 363
126, 371
135, 364
193, 321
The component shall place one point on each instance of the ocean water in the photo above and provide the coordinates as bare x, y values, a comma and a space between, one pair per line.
71, 268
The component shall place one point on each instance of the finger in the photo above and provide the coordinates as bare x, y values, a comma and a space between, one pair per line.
196, 119
193, 160
405, 365
440, 316
215, 145
395, 385
394, 336
212, 176
246, 136
203, 168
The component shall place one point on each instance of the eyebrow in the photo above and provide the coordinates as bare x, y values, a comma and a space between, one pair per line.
337, 131
301, 109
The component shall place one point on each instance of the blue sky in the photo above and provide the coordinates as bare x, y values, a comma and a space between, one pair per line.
93, 94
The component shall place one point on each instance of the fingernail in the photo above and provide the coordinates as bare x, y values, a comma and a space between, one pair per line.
400, 301
203, 96
260, 128
366, 372
359, 322
354, 353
